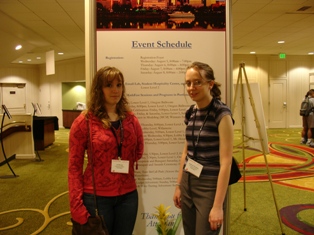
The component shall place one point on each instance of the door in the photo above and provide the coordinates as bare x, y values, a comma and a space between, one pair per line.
311, 80
44, 99
14, 97
277, 103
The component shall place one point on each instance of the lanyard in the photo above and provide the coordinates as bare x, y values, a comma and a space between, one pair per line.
195, 144
121, 138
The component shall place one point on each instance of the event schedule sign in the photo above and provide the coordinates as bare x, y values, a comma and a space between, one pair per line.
154, 65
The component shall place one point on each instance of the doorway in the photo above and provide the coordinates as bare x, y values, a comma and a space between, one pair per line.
277, 103
14, 97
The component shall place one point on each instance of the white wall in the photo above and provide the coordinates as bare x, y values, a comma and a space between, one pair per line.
50, 88
46, 90
23, 74
294, 69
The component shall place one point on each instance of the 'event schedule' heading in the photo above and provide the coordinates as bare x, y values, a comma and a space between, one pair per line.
161, 45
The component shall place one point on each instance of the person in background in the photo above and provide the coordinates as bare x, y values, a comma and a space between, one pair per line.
308, 122
207, 155
116, 137
305, 129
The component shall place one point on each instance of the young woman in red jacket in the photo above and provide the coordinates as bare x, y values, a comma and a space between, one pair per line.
116, 138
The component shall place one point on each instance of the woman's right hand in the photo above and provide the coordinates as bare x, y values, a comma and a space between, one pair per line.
177, 197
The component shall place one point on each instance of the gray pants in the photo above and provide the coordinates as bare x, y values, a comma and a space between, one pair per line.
197, 198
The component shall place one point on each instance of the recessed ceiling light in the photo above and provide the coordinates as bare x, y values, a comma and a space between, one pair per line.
18, 47
29, 60
60, 53
311, 53
280, 42
38, 57
20, 61
252, 52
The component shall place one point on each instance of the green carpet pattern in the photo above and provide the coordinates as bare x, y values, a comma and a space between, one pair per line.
291, 166
36, 202
44, 213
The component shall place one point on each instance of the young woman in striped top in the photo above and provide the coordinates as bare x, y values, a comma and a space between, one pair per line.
207, 154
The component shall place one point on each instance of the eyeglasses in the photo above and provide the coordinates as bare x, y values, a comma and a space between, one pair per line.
196, 83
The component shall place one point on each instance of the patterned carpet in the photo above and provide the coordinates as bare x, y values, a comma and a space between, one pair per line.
36, 202
291, 165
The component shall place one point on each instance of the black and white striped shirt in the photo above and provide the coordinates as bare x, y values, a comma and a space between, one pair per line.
206, 150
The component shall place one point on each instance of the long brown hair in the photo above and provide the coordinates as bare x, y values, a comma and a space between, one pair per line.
96, 103
207, 73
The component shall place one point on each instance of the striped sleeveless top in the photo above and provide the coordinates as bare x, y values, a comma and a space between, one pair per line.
202, 135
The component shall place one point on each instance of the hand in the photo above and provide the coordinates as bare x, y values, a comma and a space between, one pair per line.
215, 218
177, 197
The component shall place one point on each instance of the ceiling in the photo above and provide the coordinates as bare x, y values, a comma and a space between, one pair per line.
258, 25
58, 25
40, 26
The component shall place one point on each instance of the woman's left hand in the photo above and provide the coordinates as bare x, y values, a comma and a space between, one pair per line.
215, 218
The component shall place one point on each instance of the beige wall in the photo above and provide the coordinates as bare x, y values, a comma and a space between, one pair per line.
23, 74
294, 69
50, 86
42, 89
47, 90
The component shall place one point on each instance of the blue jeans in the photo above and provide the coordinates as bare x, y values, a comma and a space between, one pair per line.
119, 212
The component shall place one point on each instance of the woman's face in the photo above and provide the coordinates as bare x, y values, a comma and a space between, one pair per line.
197, 87
113, 91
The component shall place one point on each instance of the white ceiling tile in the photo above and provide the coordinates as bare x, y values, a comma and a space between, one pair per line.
59, 24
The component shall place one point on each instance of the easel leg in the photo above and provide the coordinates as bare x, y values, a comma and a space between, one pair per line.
38, 158
239, 82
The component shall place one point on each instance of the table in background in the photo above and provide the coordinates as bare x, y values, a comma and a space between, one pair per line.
44, 131
68, 116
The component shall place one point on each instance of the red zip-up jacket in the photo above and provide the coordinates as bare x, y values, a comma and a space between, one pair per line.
104, 149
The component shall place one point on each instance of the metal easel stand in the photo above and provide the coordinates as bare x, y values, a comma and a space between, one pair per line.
38, 158
4, 155
240, 82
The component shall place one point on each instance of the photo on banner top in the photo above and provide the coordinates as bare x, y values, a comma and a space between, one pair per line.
161, 15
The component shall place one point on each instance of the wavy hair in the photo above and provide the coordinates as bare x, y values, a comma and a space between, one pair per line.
207, 73
96, 103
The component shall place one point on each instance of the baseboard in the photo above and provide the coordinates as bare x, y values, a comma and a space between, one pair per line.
26, 156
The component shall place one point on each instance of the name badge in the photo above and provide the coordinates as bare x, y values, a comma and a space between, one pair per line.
193, 167
120, 166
